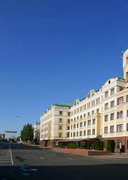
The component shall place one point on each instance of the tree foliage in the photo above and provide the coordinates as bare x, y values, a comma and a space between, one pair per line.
110, 145
27, 133
99, 145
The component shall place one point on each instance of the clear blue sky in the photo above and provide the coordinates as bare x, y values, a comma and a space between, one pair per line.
55, 51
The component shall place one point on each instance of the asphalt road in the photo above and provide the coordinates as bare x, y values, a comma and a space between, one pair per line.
19, 162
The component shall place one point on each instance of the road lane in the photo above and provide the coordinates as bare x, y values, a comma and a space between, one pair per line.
6, 154
40, 163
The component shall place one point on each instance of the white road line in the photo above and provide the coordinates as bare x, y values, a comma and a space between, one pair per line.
41, 158
11, 155
70, 158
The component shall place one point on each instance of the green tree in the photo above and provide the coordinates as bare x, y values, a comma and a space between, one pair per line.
99, 145
27, 133
110, 145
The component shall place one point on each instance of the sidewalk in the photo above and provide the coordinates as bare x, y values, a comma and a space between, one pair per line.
113, 156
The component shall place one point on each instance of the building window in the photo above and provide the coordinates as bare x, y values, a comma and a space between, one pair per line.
120, 100
120, 128
74, 126
127, 127
81, 124
127, 98
105, 130
97, 100
60, 120
84, 132
88, 113
97, 110
93, 131
77, 125
93, 121
89, 132
84, 115
88, 105
111, 129
92, 112
60, 134
68, 120
112, 116
80, 133
112, 91
71, 134
106, 118
68, 113
93, 103
84, 123
68, 127
121, 88
112, 103
77, 134
74, 134
67, 134
106, 94
61, 112
119, 114
60, 127
106, 106
89, 122
126, 77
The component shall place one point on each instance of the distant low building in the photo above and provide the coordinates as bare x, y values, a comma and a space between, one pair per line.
37, 130
2, 136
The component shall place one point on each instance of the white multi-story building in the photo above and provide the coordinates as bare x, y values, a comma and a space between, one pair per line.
54, 124
102, 114
36, 131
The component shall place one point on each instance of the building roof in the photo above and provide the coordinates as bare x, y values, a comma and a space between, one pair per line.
64, 104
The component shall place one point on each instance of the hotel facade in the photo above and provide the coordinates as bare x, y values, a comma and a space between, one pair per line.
103, 115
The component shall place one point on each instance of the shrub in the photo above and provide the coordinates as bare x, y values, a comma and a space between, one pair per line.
110, 145
99, 145
60, 145
72, 146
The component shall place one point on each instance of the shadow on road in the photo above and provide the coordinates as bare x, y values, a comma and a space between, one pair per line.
86, 172
20, 159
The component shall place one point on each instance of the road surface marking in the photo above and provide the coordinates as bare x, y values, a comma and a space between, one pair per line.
25, 174
11, 155
70, 158
41, 158
33, 170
